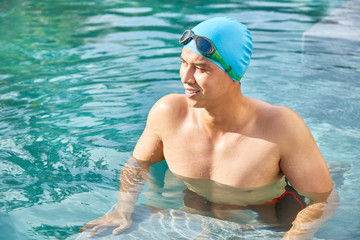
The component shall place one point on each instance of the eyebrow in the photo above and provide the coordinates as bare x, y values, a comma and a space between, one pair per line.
201, 65
198, 64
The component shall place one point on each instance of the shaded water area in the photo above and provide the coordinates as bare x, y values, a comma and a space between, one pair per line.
77, 79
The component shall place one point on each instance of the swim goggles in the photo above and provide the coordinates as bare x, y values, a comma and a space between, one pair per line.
207, 49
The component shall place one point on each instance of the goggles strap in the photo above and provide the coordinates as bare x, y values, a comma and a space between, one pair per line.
228, 70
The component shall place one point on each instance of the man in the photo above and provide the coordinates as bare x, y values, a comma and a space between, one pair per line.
214, 133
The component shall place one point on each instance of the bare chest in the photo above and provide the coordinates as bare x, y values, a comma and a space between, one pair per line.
233, 159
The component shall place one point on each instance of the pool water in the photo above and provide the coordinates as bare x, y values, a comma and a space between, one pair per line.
77, 79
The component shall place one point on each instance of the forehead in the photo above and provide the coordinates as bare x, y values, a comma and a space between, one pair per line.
192, 57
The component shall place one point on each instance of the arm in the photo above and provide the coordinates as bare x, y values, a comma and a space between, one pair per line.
131, 183
321, 208
132, 178
306, 170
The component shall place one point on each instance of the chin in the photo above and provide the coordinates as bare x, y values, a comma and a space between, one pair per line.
194, 103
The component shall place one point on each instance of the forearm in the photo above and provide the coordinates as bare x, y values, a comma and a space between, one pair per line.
311, 218
132, 180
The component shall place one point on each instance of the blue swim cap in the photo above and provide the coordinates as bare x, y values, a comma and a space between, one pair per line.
231, 38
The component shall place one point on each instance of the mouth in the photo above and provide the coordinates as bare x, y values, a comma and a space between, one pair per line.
191, 93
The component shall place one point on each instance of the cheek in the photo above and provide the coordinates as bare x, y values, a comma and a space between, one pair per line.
206, 84
202, 76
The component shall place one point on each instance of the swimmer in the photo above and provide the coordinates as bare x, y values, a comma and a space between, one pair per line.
213, 132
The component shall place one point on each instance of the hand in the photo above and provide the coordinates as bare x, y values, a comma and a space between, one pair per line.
121, 220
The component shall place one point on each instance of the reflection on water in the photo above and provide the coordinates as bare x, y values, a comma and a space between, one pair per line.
77, 79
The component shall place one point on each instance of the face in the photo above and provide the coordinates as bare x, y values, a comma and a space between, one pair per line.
205, 83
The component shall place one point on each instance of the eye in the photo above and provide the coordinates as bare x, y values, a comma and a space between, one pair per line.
183, 61
200, 68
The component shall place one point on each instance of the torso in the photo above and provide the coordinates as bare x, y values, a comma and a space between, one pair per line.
237, 158
249, 157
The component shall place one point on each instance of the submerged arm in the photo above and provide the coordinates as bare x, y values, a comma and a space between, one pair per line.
131, 182
321, 208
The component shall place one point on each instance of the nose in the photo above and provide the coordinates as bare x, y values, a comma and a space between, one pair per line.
187, 74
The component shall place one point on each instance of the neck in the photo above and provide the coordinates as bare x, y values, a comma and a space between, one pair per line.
226, 116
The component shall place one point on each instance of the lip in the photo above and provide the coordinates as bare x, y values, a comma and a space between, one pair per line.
190, 92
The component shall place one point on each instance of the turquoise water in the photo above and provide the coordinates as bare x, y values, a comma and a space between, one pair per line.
77, 79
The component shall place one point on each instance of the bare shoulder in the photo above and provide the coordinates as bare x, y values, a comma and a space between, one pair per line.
282, 121
169, 105
282, 125
276, 114
169, 109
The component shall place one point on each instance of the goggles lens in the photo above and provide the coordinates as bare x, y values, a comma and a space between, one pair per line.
186, 37
203, 45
